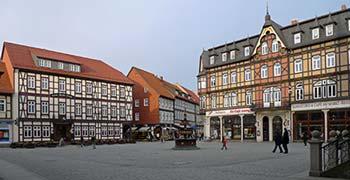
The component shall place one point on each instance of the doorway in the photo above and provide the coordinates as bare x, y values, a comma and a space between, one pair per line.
265, 128
62, 130
277, 124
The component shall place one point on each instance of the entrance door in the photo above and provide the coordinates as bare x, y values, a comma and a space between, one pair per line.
62, 130
265, 128
277, 124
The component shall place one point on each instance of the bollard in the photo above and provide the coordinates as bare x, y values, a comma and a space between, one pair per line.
315, 154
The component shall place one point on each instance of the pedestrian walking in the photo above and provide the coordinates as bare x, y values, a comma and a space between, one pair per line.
61, 142
224, 143
285, 140
93, 139
81, 141
278, 142
305, 138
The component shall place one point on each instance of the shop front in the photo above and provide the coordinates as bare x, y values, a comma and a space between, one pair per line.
5, 129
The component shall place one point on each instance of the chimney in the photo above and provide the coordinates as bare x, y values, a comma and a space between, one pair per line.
294, 21
161, 78
343, 7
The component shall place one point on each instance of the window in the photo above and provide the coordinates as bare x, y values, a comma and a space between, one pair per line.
316, 62
224, 57
332, 91
104, 91
330, 60
44, 83
277, 69
145, 102
36, 131
60, 65
46, 131
78, 87
233, 99
85, 131
31, 107
325, 89
122, 92
329, 30
27, 131
78, 109
247, 75
248, 97
103, 131
233, 77
246, 51
349, 24
233, 55
297, 38
298, 66
137, 116
2, 105
110, 131
226, 100
104, 111
267, 97
89, 110
212, 60
45, 107
62, 85
122, 112
212, 81
299, 92
45, 63
264, 71
62, 108
113, 91
89, 88
213, 101
202, 102
275, 45
77, 131
264, 48
114, 111
31, 82
92, 131
145, 90
224, 79
277, 97
315, 33
137, 103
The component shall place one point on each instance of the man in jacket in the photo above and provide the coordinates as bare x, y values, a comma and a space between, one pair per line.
285, 140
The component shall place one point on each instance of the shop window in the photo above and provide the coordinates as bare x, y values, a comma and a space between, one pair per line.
301, 116
316, 116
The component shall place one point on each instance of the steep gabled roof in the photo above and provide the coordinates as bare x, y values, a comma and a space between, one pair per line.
21, 57
5, 85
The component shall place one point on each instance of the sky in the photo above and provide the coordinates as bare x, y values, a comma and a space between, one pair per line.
165, 37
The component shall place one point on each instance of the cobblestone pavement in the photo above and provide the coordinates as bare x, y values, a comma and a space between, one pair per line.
156, 161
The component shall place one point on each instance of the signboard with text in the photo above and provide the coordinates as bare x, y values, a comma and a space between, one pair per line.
230, 112
321, 105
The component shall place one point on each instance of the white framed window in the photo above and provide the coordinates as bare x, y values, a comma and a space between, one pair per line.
85, 130
60, 65
31, 107
247, 75
317, 92
46, 131
232, 54
62, 108
212, 81
203, 82
62, 85
44, 83
248, 97
264, 71
77, 131
202, 102
110, 131
44, 107
27, 131
137, 103
224, 79
89, 110
114, 111
122, 92
31, 82
297, 38
226, 100
330, 60
316, 62
325, 89
299, 92
329, 30
267, 97
277, 97
264, 48
104, 90
145, 102
246, 51
36, 131
104, 131
122, 112
89, 88
212, 60
332, 90
137, 116
315, 33
213, 101
78, 109
78, 87
275, 45
2, 105
233, 77
233, 99
277, 69
298, 66
113, 92
91, 131
224, 57
104, 111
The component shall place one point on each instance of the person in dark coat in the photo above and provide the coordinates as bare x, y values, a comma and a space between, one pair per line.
285, 140
278, 142
305, 138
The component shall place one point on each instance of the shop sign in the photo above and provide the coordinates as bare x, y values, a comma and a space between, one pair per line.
321, 105
230, 112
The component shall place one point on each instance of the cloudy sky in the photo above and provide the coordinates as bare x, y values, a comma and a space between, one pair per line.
165, 37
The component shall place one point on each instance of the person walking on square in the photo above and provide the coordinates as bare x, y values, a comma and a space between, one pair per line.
278, 142
224, 143
285, 140
93, 139
81, 141
305, 138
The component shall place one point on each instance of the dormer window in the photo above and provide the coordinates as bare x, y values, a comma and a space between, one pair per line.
60, 65
246, 51
232, 54
329, 30
212, 60
224, 57
44, 63
264, 48
75, 68
297, 38
315, 33
274, 45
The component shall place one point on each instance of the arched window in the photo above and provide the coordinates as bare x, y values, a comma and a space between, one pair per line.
213, 101
299, 92
264, 48
233, 99
226, 100
274, 45
264, 71
277, 69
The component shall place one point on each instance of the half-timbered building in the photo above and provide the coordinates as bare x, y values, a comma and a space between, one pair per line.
294, 77
61, 95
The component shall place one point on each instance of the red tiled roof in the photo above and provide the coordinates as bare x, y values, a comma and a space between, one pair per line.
22, 57
5, 85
